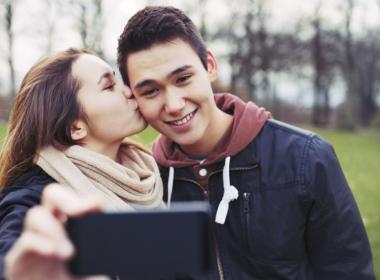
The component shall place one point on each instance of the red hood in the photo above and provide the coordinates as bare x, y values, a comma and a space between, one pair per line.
248, 120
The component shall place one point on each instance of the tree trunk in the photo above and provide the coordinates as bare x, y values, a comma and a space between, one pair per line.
9, 13
349, 117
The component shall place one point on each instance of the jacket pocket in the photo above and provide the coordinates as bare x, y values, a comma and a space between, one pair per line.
247, 210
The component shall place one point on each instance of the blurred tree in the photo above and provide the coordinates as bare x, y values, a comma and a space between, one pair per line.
322, 72
249, 52
256, 53
349, 117
9, 9
367, 52
245, 33
260, 57
264, 54
202, 8
196, 9
90, 24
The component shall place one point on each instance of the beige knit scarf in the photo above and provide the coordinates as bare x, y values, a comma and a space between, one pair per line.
135, 183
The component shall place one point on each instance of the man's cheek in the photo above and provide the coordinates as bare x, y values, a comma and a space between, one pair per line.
147, 114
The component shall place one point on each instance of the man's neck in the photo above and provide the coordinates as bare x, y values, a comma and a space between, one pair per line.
218, 127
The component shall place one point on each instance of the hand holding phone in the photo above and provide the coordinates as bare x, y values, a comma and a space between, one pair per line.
144, 244
42, 250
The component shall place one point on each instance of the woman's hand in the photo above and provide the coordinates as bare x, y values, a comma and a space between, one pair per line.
43, 247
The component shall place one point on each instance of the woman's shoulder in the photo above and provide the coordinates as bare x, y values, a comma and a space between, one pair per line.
29, 185
15, 200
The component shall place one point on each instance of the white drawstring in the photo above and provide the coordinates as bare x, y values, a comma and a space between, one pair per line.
170, 185
230, 193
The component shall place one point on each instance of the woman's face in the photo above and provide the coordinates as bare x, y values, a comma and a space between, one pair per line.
112, 113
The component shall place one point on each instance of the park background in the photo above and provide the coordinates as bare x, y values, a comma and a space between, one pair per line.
312, 63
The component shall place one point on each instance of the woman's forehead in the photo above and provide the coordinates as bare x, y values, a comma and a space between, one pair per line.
90, 68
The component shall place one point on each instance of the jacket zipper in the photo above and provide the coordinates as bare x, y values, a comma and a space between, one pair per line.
218, 261
205, 192
246, 211
246, 206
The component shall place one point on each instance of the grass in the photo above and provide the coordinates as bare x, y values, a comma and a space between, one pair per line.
359, 155
146, 137
2, 133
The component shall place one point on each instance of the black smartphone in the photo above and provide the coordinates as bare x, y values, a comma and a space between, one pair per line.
159, 244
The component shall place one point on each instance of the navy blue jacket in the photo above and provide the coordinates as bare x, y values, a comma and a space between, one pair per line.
15, 200
295, 217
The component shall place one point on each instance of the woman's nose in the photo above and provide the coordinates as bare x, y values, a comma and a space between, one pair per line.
127, 91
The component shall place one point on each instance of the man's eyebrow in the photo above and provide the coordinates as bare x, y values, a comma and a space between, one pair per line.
107, 74
143, 83
178, 70
174, 72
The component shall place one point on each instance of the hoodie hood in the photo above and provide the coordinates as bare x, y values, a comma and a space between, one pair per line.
248, 119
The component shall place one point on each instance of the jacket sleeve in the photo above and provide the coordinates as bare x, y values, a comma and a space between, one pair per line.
336, 240
13, 207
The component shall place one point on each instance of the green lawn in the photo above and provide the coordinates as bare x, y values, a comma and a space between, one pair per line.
359, 155
146, 137
2, 133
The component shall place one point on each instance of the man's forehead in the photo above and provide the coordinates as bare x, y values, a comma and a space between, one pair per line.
159, 61
161, 53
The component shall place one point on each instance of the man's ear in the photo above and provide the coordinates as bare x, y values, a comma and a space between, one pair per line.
212, 66
78, 130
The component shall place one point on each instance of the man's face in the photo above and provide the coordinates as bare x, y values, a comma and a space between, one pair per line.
173, 91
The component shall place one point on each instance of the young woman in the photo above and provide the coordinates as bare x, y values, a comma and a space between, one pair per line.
68, 125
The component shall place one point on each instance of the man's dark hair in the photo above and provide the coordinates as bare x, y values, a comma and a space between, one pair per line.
156, 25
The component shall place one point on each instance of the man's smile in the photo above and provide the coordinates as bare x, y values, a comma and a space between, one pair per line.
183, 120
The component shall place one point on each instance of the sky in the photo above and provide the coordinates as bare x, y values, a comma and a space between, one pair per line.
30, 27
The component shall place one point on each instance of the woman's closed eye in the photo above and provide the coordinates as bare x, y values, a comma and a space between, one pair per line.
110, 87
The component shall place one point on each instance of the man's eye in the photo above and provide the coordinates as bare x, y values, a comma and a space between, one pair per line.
183, 79
150, 92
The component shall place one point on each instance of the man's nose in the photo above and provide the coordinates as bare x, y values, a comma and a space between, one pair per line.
174, 102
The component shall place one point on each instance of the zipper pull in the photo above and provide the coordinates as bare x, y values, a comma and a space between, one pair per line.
246, 201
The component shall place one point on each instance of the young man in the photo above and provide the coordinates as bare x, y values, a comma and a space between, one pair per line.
281, 204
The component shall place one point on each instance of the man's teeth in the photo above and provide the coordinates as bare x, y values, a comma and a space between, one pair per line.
184, 120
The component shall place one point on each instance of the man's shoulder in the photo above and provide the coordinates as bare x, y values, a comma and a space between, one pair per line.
280, 135
286, 128
283, 134
282, 143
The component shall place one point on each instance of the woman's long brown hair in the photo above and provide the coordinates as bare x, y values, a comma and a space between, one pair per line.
44, 110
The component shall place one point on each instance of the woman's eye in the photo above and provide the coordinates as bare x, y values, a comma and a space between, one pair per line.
110, 87
183, 79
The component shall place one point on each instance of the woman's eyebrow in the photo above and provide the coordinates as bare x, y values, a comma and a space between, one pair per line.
107, 74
